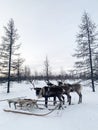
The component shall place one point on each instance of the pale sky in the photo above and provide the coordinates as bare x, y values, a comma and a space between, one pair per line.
47, 28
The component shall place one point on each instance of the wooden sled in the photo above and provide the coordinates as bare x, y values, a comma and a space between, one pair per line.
29, 113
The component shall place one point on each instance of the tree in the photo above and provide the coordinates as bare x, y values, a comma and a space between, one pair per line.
62, 75
86, 48
47, 69
96, 66
18, 67
8, 51
27, 72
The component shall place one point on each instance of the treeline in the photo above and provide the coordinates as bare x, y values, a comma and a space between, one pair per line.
64, 77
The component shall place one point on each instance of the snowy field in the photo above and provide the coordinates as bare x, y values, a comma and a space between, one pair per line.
74, 117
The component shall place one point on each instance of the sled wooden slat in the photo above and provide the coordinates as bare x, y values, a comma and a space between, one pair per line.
11, 98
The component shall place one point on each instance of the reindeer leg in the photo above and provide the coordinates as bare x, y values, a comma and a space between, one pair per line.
69, 98
46, 101
80, 98
9, 104
54, 102
63, 99
61, 102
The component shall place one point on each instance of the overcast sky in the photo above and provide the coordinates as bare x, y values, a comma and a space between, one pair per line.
47, 28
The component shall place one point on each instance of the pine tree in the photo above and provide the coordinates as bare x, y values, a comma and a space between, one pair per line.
47, 70
8, 51
86, 48
18, 67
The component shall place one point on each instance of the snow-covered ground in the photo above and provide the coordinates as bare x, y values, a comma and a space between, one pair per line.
74, 117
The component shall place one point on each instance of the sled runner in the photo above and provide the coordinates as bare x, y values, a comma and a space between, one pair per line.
31, 113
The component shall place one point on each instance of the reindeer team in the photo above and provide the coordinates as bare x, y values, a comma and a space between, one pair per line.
51, 90
58, 91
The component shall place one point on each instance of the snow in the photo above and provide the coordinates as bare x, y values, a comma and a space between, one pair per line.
74, 117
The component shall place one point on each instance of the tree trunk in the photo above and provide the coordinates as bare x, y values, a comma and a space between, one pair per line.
9, 69
90, 57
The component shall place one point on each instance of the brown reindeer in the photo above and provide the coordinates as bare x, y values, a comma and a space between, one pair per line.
47, 92
76, 87
50, 90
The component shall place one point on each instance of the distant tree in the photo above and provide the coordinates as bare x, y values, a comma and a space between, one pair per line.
27, 72
47, 70
35, 75
86, 48
18, 68
62, 75
8, 51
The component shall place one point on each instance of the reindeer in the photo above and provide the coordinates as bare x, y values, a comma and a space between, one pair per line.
47, 92
49, 85
76, 87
